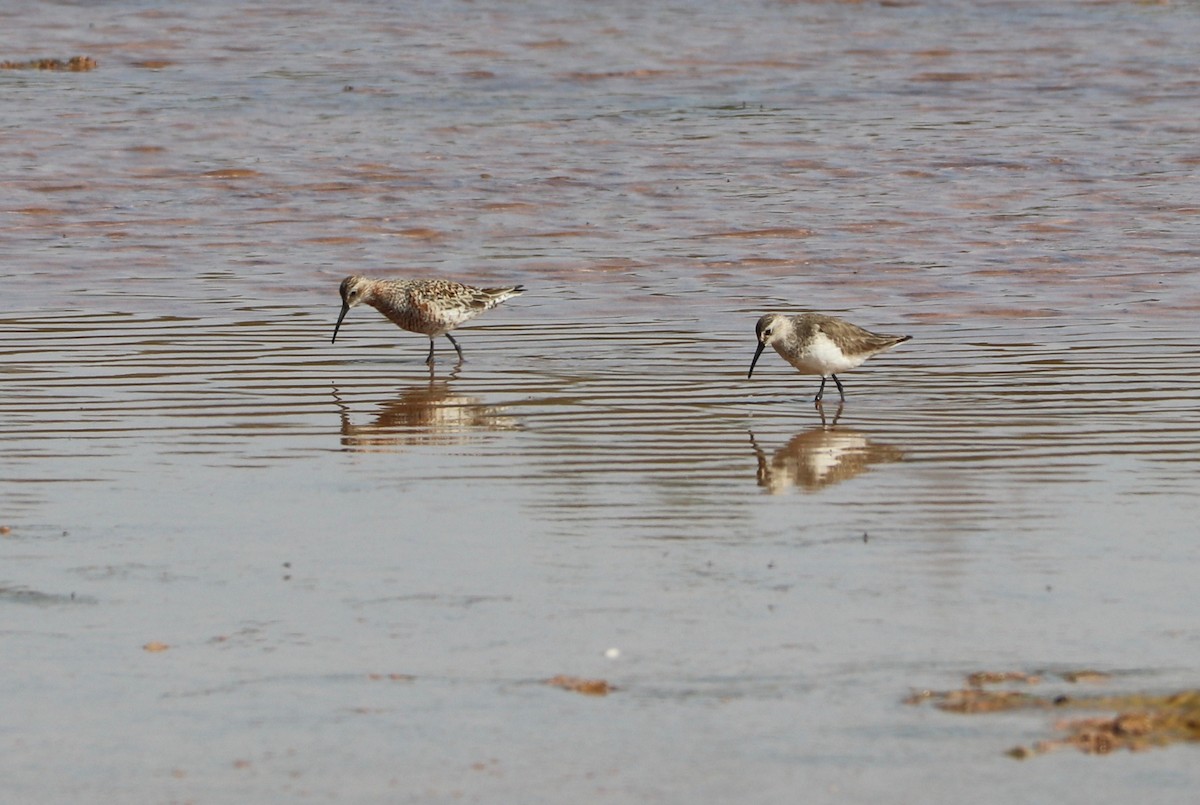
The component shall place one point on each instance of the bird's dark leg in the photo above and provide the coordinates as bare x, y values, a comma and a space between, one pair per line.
820, 391
429, 357
457, 348
841, 390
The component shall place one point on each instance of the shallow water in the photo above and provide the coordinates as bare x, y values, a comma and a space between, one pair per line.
363, 571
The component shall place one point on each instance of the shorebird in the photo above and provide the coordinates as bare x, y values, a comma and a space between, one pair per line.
431, 307
819, 345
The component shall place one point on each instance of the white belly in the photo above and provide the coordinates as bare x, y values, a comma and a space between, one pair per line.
820, 356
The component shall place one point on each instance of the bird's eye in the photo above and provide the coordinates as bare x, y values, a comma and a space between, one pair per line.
767, 331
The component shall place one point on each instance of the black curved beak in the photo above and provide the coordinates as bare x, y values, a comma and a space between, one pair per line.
761, 346
345, 310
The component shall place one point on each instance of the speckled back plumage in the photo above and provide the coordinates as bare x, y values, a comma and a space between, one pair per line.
432, 307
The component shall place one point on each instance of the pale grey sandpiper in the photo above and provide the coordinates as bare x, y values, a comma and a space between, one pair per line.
820, 345
431, 307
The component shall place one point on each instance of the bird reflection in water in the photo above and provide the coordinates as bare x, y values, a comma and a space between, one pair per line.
820, 457
423, 415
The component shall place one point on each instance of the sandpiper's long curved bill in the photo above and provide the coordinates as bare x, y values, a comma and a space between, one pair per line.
345, 310
761, 346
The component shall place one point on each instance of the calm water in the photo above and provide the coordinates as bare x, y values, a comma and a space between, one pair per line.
363, 571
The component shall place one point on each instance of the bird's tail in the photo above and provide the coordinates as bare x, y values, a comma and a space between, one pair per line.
488, 298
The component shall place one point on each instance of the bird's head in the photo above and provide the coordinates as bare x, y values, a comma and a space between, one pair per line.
769, 329
353, 291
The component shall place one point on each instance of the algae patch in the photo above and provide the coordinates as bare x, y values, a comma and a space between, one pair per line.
75, 64
1141, 720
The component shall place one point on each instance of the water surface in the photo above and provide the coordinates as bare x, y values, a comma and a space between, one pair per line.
363, 571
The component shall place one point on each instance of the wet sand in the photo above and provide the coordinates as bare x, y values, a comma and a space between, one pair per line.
355, 577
